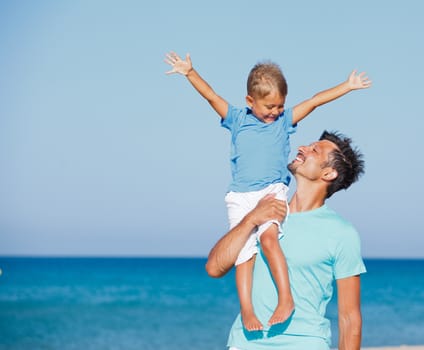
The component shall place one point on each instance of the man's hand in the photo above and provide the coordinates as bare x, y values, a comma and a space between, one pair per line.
225, 252
268, 208
178, 65
358, 81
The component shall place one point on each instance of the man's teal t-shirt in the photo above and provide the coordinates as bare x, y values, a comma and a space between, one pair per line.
320, 247
259, 151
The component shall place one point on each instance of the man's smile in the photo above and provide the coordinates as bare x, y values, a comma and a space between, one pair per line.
300, 157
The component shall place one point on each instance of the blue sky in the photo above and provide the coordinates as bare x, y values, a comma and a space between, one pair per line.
101, 153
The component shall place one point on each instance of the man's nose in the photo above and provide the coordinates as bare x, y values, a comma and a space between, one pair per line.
305, 149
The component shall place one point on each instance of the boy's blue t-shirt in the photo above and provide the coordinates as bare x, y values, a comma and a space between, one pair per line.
320, 247
259, 151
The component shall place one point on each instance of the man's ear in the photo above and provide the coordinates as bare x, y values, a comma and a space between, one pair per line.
249, 101
330, 174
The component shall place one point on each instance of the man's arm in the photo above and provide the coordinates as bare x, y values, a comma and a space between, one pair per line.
349, 310
225, 252
354, 82
205, 90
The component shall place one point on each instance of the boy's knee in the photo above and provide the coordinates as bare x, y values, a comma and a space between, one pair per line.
269, 238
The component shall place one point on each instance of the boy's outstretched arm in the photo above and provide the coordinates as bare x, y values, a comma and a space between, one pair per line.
354, 82
185, 67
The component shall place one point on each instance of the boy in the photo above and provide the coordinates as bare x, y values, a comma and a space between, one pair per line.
259, 157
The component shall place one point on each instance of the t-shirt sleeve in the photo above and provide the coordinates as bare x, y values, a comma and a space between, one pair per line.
230, 119
288, 120
348, 260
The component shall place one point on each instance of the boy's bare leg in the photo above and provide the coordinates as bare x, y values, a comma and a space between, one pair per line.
278, 266
244, 273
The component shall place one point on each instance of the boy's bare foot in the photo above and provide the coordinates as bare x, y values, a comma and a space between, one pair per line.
251, 322
281, 313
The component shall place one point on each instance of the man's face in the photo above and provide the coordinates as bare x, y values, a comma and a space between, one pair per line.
310, 161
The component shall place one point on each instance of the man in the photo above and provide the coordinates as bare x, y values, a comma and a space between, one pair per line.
320, 247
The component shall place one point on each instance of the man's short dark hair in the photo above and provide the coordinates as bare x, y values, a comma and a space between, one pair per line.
346, 160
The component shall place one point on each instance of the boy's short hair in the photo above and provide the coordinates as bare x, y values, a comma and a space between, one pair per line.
346, 160
264, 78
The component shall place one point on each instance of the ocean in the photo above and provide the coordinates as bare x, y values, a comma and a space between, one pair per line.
171, 303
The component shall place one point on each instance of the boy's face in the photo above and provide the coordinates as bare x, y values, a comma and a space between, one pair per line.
268, 108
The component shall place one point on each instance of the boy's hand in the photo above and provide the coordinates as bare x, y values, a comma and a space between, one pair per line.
178, 65
358, 81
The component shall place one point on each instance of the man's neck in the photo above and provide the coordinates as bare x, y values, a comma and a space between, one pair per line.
307, 198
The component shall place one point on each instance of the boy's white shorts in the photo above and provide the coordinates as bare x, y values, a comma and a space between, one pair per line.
241, 203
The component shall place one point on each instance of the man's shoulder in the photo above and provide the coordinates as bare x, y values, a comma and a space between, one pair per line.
336, 221
334, 215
